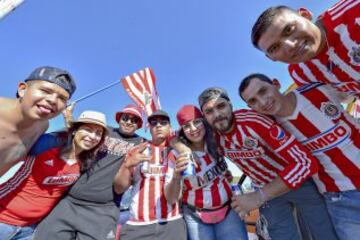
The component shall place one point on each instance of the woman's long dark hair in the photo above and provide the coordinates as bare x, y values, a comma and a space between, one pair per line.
86, 158
209, 139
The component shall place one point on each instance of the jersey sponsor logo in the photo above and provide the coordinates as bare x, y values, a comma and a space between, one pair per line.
355, 55
50, 162
330, 109
244, 154
250, 143
63, 180
277, 133
328, 139
156, 170
211, 174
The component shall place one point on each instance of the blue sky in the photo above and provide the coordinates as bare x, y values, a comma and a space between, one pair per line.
190, 44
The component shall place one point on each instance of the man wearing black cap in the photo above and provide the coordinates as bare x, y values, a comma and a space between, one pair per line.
90, 210
42, 96
151, 216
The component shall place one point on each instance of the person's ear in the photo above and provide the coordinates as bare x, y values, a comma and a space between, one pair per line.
276, 83
305, 13
22, 87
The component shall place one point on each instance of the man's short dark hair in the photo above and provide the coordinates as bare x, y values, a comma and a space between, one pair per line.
264, 21
246, 81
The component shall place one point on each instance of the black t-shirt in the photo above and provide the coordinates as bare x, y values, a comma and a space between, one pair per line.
96, 187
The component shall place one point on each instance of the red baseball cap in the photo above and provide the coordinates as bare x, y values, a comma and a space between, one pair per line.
188, 113
131, 109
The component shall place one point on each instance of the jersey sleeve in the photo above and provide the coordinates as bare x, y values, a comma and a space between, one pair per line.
300, 163
46, 142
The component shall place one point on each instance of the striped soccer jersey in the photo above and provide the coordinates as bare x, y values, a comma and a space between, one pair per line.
36, 188
148, 204
330, 133
263, 150
339, 62
209, 189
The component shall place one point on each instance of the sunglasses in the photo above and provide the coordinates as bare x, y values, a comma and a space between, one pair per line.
126, 118
155, 122
195, 123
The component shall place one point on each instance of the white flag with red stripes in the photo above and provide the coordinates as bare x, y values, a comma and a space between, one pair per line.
141, 88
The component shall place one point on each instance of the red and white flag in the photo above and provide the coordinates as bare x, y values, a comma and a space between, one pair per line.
141, 88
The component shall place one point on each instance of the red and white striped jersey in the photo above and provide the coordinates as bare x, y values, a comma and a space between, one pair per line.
330, 133
339, 63
36, 188
263, 150
209, 189
148, 204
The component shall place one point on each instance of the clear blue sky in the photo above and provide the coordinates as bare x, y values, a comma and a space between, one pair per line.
190, 44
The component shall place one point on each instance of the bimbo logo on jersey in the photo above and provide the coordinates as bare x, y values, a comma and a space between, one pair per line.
328, 139
244, 154
61, 180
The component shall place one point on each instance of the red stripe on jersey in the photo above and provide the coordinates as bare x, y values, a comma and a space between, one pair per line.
216, 199
151, 199
163, 201
141, 201
309, 130
207, 159
199, 198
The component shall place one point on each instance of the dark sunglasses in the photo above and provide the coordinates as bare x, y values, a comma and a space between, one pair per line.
155, 122
126, 118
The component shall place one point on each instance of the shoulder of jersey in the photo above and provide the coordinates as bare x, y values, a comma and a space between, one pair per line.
250, 116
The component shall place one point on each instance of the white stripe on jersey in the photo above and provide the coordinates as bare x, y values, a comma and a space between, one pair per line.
320, 185
308, 72
298, 78
323, 69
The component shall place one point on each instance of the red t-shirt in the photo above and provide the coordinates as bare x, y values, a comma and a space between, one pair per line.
36, 188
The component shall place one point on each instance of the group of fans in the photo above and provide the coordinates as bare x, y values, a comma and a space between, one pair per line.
300, 150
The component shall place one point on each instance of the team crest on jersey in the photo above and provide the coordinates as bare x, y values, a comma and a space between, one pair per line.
277, 133
330, 109
355, 55
250, 143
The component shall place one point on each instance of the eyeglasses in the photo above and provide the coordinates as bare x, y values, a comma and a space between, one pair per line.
155, 122
126, 118
195, 123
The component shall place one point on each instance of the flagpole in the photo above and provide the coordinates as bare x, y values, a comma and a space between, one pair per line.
97, 91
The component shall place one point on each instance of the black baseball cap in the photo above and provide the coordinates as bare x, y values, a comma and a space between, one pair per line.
159, 113
54, 75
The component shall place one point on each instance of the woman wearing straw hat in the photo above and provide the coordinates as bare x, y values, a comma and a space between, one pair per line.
207, 193
52, 166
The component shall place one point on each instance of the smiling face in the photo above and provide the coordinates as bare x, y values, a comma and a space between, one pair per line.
218, 113
194, 130
42, 100
128, 124
291, 37
263, 97
88, 136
